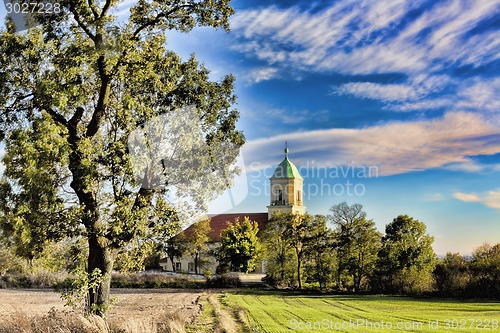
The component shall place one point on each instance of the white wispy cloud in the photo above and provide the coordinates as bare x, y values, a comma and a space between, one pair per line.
475, 94
490, 198
343, 37
260, 74
266, 114
435, 197
480, 94
383, 92
395, 148
319, 39
370, 37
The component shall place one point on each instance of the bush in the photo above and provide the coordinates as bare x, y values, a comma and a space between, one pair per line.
37, 279
224, 281
152, 280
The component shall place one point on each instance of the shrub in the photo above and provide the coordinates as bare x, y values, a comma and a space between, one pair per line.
152, 280
224, 281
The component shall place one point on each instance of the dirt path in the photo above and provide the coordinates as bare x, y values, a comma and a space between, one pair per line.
129, 304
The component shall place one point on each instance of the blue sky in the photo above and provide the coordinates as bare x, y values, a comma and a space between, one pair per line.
410, 88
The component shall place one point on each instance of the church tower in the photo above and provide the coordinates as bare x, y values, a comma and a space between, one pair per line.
286, 189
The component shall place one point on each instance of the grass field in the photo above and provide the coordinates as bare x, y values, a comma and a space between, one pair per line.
247, 311
287, 312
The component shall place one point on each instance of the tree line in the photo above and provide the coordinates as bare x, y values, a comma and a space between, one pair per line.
344, 251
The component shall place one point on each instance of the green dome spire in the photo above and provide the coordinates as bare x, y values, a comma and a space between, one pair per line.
286, 169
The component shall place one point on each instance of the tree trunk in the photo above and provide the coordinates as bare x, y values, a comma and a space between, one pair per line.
298, 272
172, 261
196, 259
100, 258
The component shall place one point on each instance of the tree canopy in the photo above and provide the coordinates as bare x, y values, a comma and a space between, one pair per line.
406, 259
239, 245
357, 243
73, 90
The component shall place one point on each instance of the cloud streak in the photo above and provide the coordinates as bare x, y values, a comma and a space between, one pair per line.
489, 199
383, 37
383, 92
395, 148
366, 37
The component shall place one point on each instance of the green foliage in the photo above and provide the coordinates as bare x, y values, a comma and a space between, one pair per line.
406, 259
278, 252
240, 246
75, 290
485, 271
197, 240
33, 211
134, 256
452, 275
321, 261
357, 243
289, 239
72, 91
9, 262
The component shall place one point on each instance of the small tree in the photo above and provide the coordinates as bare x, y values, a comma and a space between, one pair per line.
407, 259
240, 246
320, 263
295, 229
278, 252
485, 270
175, 248
197, 239
357, 243
452, 274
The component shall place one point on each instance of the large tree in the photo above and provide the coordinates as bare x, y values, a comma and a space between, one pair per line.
288, 238
406, 259
357, 243
73, 90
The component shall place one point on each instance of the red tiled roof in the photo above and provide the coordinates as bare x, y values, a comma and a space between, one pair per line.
220, 221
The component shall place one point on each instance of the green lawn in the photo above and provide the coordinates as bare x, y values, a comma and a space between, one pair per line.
288, 312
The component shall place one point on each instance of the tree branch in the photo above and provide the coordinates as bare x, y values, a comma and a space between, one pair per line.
93, 9
105, 8
93, 126
73, 122
158, 18
58, 118
78, 20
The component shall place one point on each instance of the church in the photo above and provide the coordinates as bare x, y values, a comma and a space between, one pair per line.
286, 196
